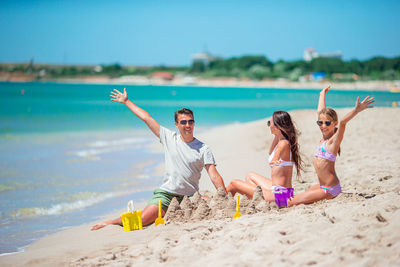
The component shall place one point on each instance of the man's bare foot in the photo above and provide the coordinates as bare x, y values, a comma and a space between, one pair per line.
98, 226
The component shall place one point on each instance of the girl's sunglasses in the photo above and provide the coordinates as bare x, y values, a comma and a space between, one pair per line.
269, 123
184, 122
327, 123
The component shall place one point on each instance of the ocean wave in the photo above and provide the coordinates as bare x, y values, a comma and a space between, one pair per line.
125, 141
90, 198
19, 250
93, 153
103, 146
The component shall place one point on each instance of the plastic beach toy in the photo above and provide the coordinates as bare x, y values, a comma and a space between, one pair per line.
132, 220
159, 220
237, 214
282, 194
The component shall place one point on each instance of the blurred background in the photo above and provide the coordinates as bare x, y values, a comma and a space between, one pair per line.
133, 40
68, 155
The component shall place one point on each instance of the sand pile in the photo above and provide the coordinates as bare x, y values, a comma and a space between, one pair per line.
218, 206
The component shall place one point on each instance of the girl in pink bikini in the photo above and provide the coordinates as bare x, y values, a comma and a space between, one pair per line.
328, 149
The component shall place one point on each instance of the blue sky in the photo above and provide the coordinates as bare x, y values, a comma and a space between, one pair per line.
168, 32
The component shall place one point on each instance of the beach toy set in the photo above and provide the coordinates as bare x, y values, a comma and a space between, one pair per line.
132, 220
282, 194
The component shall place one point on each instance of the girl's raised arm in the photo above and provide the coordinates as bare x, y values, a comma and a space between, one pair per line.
357, 109
321, 100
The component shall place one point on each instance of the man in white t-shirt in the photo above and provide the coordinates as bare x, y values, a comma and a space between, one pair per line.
185, 157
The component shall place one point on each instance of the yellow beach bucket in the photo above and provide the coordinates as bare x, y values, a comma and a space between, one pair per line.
132, 220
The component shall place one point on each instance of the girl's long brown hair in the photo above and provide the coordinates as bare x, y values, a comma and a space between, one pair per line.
285, 124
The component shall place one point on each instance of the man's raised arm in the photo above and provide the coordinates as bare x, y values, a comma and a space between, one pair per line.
122, 98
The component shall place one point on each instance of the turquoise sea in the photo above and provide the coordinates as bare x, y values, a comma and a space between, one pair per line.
69, 155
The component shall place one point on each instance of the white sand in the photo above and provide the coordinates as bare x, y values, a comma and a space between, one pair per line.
360, 227
378, 85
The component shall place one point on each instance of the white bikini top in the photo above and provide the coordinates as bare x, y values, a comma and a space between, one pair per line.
283, 163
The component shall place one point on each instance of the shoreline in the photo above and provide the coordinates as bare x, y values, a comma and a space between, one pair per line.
364, 219
77, 203
379, 85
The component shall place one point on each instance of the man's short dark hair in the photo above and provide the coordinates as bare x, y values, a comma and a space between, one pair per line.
183, 111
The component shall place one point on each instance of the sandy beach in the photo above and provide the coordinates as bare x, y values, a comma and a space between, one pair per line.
361, 227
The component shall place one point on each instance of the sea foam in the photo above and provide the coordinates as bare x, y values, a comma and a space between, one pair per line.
106, 146
64, 206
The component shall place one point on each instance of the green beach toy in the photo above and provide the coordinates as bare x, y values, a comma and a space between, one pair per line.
237, 214
159, 220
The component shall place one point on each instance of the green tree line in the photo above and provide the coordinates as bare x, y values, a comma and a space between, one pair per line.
251, 67
259, 67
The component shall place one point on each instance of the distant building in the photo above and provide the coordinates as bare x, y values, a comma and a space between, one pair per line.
98, 69
42, 72
310, 54
204, 58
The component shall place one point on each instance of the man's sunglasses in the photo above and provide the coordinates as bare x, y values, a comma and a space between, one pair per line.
184, 122
327, 123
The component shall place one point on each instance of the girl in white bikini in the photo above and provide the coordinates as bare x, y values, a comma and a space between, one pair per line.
284, 154
327, 150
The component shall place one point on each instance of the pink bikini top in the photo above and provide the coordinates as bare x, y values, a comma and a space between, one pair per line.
322, 152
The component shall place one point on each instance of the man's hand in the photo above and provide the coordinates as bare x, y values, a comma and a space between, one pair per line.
119, 97
122, 98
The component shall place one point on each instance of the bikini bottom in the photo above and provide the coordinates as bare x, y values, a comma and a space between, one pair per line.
282, 194
333, 190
